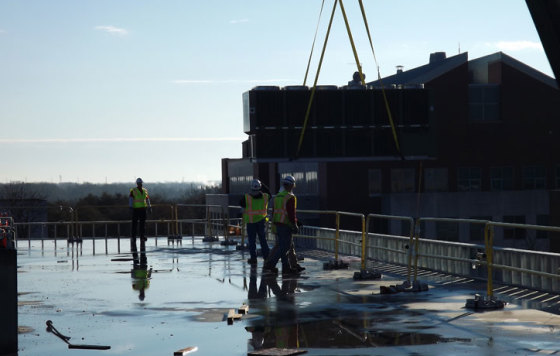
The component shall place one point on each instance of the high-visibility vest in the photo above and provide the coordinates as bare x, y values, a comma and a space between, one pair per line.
139, 198
280, 213
255, 208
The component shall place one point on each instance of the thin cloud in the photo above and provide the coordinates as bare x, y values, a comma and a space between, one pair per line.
235, 22
120, 139
513, 46
230, 81
112, 30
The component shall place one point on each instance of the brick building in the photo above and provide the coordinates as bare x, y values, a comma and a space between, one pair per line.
478, 139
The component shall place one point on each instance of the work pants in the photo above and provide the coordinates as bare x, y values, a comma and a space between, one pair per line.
138, 218
254, 230
283, 244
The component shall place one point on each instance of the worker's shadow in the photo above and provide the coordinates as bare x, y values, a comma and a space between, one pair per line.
140, 273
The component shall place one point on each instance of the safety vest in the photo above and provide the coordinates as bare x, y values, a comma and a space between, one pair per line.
280, 214
139, 198
255, 208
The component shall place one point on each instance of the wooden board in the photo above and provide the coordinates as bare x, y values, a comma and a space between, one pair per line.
232, 315
277, 352
186, 350
244, 309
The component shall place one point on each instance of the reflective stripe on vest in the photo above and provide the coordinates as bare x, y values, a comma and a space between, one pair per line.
280, 214
255, 208
139, 198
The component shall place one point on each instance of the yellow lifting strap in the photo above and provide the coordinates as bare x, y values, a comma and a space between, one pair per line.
362, 79
313, 45
380, 82
315, 82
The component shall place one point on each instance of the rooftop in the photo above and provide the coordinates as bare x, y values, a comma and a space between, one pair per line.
90, 295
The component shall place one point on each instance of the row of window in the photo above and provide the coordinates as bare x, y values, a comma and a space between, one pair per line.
306, 183
403, 180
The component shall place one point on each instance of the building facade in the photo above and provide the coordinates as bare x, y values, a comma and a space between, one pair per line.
477, 139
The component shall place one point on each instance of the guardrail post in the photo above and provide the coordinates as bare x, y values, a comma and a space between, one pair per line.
119, 238
106, 243
208, 222
489, 241
415, 251
364, 256
177, 233
337, 235
55, 236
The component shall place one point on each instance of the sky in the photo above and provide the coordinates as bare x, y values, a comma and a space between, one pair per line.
109, 90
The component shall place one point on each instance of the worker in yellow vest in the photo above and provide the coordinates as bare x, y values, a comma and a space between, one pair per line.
139, 203
255, 207
284, 223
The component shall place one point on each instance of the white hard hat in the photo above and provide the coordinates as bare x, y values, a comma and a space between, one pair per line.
289, 180
256, 184
139, 180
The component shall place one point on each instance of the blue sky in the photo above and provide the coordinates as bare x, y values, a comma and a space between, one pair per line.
107, 90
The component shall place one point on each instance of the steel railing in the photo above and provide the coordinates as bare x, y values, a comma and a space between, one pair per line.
538, 270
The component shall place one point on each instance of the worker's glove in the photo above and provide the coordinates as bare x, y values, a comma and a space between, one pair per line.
299, 224
295, 229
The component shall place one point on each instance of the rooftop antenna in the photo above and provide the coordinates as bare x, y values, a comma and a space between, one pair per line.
459, 48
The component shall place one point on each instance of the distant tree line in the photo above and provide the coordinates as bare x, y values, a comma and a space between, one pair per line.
28, 202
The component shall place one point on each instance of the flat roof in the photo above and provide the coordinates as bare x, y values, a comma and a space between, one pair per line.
96, 298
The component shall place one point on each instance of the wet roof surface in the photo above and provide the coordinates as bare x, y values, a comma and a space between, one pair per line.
106, 299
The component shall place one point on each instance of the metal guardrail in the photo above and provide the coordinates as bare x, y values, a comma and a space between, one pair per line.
537, 270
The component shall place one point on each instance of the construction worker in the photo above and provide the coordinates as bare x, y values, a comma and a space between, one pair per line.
284, 224
356, 82
139, 203
255, 207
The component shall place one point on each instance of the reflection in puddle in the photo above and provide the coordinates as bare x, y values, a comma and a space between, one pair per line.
337, 334
283, 325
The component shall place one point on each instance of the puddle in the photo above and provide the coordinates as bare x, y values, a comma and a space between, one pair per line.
340, 334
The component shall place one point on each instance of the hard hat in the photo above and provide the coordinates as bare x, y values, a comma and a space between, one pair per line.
289, 180
139, 180
256, 184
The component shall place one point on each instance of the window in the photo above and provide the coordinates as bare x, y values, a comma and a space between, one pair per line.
514, 233
435, 180
374, 181
534, 177
501, 178
468, 179
239, 184
484, 102
477, 230
402, 180
306, 182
